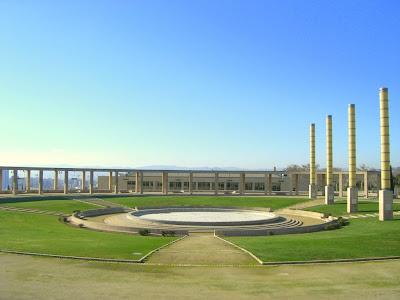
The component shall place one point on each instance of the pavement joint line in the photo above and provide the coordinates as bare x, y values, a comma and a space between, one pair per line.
244, 250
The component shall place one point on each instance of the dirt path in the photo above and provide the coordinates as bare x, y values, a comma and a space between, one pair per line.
202, 250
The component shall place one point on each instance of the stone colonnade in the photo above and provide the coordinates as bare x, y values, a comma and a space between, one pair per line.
264, 179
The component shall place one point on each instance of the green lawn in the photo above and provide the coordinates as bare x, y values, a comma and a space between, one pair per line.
57, 205
273, 203
339, 208
367, 237
45, 234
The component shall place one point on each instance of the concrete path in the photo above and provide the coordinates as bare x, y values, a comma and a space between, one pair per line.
33, 211
201, 250
101, 203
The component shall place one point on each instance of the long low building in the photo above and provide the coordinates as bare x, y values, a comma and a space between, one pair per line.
138, 181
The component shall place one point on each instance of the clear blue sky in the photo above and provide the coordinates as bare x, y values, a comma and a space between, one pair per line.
194, 83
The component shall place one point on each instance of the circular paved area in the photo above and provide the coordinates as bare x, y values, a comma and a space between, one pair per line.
204, 217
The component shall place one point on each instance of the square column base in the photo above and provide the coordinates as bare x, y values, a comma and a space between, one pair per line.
385, 205
312, 191
329, 195
352, 199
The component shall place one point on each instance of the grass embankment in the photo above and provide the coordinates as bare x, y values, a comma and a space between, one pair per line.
339, 208
57, 205
273, 203
45, 234
367, 237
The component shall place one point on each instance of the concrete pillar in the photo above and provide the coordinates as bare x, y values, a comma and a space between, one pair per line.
137, 183
55, 180
191, 183
110, 181
340, 184
15, 182
91, 187
352, 192
65, 182
166, 184
1, 180
40, 182
83, 180
312, 189
216, 184
141, 183
265, 184
163, 183
290, 184
28, 181
242, 183
116, 183
385, 194
270, 184
297, 184
329, 188
366, 184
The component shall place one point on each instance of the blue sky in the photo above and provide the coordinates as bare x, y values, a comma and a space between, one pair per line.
195, 83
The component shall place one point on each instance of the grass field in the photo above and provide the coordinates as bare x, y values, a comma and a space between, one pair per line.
45, 234
58, 205
339, 208
24, 277
273, 203
367, 237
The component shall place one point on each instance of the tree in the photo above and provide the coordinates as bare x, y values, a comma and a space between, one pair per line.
300, 168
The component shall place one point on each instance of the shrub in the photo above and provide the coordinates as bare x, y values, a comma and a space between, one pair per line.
63, 219
144, 232
271, 233
81, 225
167, 233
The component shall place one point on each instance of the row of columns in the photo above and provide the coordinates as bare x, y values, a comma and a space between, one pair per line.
114, 186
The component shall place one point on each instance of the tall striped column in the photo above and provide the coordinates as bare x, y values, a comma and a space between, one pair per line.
329, 189
352, 192
385, 194
312, 189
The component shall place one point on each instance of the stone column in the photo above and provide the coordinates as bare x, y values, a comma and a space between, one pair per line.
297, 184
116, 183
28, 180
40, 182
15, 182
55, 180
191, 183
216, 183
141, 183
166, 183
340, 184
329, 188
290, 184
366, 184
352, 192
91, 188
137, 183
265, 184
385, 194
243, 183
110, 181
83, 180
270, 184
65, 182
312, 189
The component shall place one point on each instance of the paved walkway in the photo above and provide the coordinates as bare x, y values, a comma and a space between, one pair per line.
102, 203
201, 250
34, 211
371, 215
